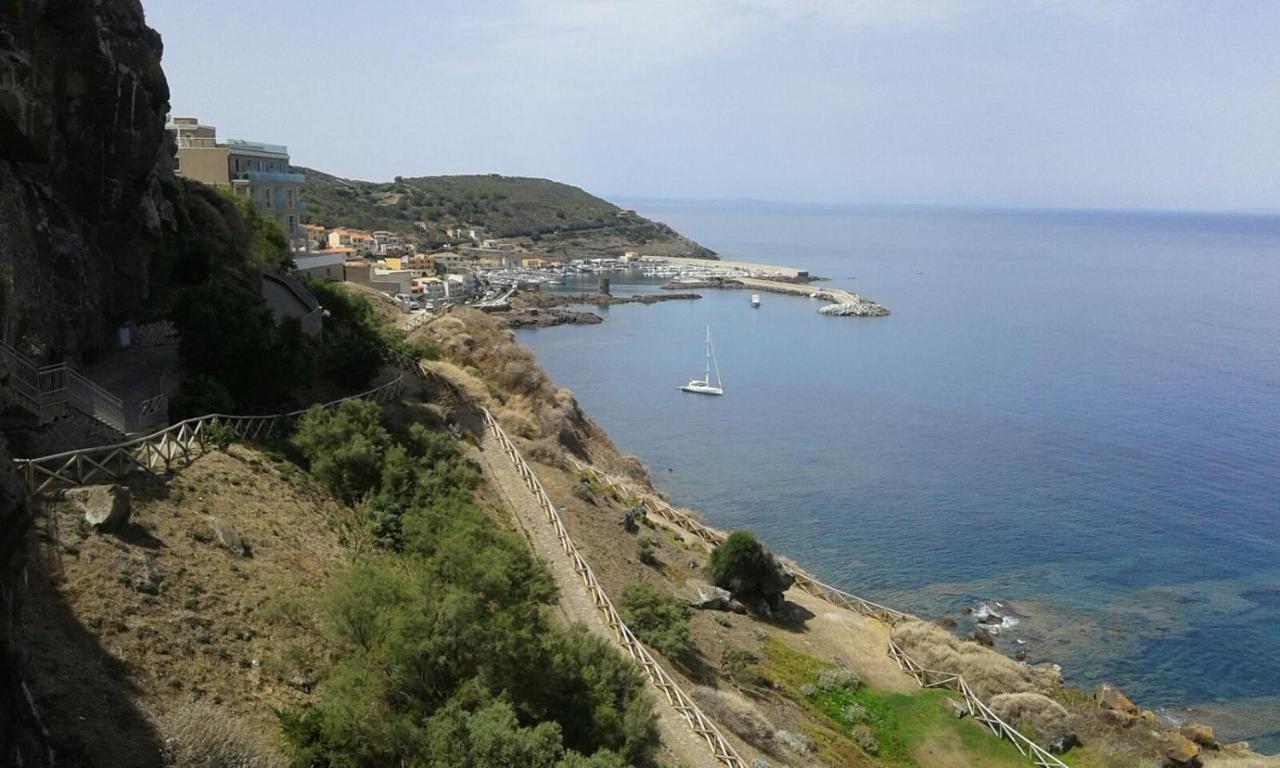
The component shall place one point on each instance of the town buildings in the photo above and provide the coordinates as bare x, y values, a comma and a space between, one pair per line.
256, 171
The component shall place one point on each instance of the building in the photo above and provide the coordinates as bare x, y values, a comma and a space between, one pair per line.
317, 236
390, 243
419, 261
466, 232
324, 263
356, 239
256, 171
452, 262
533, 263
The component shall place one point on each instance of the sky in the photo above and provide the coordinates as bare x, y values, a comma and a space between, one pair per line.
1022, 103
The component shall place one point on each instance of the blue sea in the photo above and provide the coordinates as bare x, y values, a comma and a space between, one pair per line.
1076, 414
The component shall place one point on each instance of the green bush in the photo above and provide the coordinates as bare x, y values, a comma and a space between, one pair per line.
645, 550
344, 446
219, 434
743, 566
742, 666
658, 619
445, 653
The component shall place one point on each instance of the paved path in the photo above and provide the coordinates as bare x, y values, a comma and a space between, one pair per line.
575, 603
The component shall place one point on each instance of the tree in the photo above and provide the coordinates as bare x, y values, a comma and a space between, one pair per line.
743, 566
344, 446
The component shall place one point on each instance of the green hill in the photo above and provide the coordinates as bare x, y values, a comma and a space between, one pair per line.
426, 207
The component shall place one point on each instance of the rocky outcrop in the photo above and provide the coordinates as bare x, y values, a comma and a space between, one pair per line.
106, 507
21, 734
86, 187
861, 308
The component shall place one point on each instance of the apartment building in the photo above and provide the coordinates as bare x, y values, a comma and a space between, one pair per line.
256, 171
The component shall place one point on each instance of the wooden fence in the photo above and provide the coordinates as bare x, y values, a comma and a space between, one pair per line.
699, 723
161, 451
927, 678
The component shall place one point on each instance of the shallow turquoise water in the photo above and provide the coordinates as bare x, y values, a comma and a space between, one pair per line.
1075, 412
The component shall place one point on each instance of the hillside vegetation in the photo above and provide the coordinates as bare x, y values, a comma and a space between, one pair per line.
426, 207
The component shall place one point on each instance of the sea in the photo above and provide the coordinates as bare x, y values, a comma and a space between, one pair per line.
1071, 419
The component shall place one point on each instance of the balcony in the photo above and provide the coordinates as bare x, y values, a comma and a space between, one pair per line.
270, 177
257, 146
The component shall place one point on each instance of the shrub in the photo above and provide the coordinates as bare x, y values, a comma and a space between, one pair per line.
344, 446
743, 566
1045, 717
989, 673
864, 738
741, 666
834, 679
645, 551
200, 735
657, 618
219, 434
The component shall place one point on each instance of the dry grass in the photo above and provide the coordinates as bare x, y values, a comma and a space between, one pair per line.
988, 672
201, 735
1045, 717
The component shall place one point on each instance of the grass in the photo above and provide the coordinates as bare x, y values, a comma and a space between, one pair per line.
900, 722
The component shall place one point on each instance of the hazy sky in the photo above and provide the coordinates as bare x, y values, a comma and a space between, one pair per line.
1024, 103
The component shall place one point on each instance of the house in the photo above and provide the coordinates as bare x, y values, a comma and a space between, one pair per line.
358, 240
465, 232
316, 235
533, 263
417, 261
452, 262
254, 170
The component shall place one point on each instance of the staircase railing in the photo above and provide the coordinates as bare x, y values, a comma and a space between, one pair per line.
47, 390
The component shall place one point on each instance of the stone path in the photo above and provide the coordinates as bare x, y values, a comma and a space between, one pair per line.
575, 603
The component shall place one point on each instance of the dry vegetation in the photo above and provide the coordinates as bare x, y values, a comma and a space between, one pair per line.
219, 629
989, 673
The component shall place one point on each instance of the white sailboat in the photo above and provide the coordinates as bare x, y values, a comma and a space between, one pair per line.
704, 386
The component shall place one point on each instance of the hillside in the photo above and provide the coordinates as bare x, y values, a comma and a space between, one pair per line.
426, 207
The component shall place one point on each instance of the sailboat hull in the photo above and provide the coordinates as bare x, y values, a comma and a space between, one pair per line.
702, 388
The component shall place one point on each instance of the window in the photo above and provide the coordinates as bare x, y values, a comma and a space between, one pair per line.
266, 196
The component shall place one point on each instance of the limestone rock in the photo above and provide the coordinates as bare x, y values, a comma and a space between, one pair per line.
147, 579
1200, 734
1180, 751
863, 307
955, 707
226, 537
1110, 697
709, 597
105, 507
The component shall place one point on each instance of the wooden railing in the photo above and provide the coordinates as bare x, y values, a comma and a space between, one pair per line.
161, 451
927, 678
699, 723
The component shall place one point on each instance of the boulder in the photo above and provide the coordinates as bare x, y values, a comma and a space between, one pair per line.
1063, 743
982, 637
1200, 734
1114, 719
955, 707
106, 507
147, 578
946, 622
227, 538
1110, 697
1179, 751
709, 597
992, 618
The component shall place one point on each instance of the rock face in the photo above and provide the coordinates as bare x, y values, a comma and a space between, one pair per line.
709, 597
1180, 752
1200, 734
83, 168
106, 507
19, 733
1110, 697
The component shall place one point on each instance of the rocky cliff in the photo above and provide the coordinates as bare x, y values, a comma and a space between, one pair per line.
86, 189
87, 204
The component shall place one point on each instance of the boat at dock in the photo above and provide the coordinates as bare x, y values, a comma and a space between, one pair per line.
704, 386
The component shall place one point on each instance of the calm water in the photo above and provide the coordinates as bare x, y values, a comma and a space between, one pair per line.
1075, 412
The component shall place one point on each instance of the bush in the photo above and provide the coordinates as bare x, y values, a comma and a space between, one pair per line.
344, 446
219, 434
741, 666
658, 619
989, 673
1045, 717
645, 551
200, 735
864, 738
836, 679
743, 566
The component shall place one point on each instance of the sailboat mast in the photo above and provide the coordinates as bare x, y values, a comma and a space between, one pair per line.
707, 376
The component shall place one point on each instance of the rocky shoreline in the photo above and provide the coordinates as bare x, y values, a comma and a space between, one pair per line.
534, 309
841, 303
